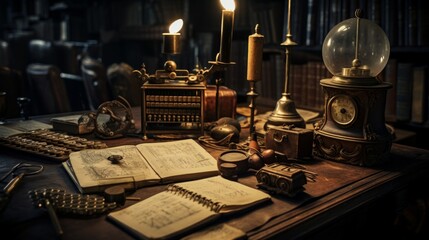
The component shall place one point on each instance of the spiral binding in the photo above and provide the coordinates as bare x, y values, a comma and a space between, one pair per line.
214, 206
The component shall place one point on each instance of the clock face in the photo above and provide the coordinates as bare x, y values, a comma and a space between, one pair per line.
343, 109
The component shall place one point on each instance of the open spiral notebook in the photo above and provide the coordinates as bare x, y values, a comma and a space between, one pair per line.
185, 206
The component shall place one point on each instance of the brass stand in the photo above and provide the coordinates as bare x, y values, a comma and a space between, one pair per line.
219, 82
285, 112
252, 94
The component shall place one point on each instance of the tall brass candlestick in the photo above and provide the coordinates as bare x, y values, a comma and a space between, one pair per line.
227, 27
285, 112
254, 71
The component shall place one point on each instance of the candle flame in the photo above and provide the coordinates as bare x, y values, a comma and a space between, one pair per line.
228, 4
176, 26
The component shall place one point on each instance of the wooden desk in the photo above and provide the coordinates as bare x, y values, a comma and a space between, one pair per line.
345, 201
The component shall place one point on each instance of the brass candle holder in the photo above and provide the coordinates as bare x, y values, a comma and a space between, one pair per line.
254, 73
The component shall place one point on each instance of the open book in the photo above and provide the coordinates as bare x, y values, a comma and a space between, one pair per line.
141, 165
185, 206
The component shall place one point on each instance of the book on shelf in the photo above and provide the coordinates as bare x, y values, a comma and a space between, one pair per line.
185, 206
410, 22
390, 76
311, 24
404, 91
422, 23
295, 86
312, 83
140, 165
419, 99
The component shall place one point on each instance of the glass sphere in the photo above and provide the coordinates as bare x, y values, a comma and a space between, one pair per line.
339, 47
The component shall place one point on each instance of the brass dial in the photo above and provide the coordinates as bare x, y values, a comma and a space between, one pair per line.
343, 109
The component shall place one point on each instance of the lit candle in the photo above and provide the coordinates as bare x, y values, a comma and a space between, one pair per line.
254, 55
227, 26
171, 40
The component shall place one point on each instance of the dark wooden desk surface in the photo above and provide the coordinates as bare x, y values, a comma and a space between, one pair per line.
340, 190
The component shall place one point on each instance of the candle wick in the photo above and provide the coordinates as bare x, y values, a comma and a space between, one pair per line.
256, 28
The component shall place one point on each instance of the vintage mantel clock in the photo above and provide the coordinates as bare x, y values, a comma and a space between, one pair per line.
353, 128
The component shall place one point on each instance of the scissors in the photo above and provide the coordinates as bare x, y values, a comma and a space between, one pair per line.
17, 172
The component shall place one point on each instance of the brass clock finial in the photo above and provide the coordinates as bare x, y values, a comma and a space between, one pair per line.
356, 62
357, 73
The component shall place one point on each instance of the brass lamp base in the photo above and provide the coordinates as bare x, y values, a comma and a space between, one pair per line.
285, 114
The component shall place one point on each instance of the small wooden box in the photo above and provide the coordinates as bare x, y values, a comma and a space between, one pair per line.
296, 143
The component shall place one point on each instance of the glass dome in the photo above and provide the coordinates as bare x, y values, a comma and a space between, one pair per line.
339, 49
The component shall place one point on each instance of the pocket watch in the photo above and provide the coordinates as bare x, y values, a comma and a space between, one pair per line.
343, 109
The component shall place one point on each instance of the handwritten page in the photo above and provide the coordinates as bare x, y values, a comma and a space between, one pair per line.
92, 167
162, 215
177, 158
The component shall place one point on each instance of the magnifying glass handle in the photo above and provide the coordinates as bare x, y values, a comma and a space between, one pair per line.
7, 190
53, 217
12, 184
